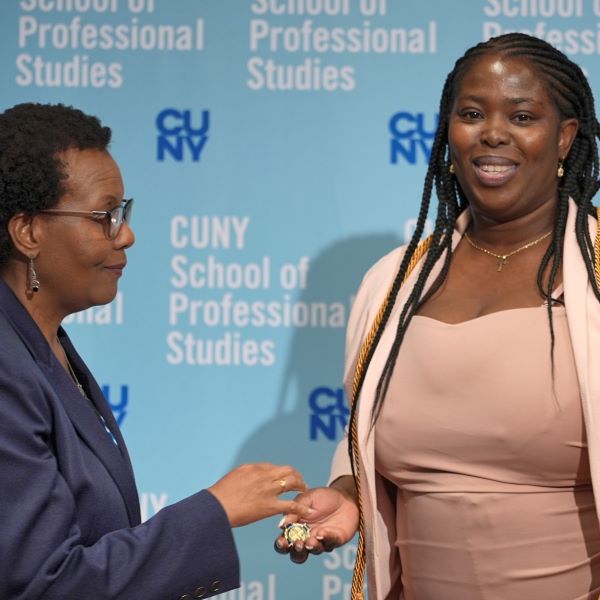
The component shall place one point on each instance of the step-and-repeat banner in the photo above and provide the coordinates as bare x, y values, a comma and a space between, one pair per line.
275, 149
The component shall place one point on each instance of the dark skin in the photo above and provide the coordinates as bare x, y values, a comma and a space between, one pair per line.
334, 520
506, 138
79, 266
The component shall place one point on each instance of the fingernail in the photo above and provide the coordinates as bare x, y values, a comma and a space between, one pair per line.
309, 547
279, 544
281, 523
320, 537
298, 547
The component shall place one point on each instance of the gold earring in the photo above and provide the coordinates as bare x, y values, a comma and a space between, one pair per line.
561, 170
451, 169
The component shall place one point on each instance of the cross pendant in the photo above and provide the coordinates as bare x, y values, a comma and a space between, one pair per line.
501, 262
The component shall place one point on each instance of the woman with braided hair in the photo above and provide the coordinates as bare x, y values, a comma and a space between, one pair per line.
472, 356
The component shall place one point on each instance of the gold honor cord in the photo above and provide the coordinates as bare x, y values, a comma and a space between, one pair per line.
358, 576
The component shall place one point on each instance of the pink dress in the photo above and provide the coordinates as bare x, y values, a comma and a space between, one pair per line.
488, 455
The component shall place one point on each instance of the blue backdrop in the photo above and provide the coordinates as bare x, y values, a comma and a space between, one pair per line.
275, 149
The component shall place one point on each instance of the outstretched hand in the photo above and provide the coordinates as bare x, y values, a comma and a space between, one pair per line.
251, 492
333, 522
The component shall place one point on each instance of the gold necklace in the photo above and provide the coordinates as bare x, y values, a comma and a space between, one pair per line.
74, 377
503, 258
82, 392
72, 372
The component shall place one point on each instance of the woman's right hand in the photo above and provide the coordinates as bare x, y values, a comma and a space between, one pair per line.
251, 492
333, 521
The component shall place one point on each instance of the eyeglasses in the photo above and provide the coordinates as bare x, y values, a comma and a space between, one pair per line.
112, 219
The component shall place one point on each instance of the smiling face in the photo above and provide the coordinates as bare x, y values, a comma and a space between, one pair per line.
506, 138
77, 264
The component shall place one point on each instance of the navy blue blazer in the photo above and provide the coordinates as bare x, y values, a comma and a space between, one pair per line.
69, 510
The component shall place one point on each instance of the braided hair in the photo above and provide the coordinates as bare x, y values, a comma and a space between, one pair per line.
570, 91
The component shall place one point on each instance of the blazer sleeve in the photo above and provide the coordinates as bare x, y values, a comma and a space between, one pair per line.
187, 548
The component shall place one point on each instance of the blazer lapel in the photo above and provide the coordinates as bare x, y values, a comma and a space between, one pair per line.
114, 456
583, 317
82, 415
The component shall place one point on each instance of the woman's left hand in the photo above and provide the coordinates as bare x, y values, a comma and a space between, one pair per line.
333, 522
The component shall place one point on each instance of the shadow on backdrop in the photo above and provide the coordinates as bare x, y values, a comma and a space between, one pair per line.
314, 367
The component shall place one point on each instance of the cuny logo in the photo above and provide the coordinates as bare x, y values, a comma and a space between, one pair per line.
118, 402
181, 134
329, 412
412, 136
